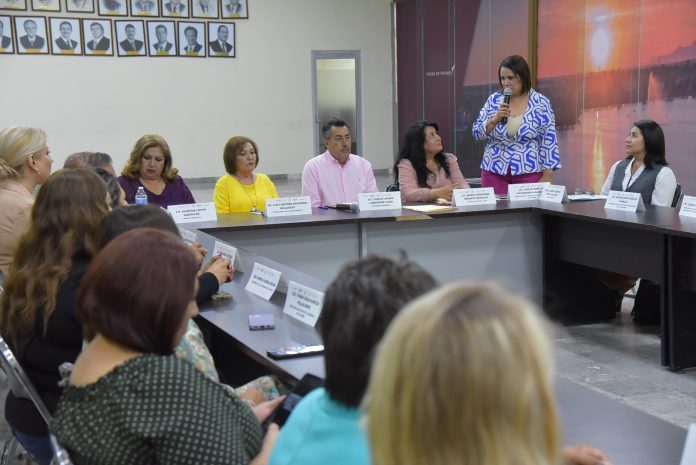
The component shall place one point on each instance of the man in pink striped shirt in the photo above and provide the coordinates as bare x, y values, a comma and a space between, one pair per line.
337, 176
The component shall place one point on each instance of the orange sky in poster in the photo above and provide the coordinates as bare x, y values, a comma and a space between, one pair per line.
578, 36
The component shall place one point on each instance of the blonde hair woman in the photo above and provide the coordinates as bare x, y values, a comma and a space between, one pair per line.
464, 377
25, 162
150, 166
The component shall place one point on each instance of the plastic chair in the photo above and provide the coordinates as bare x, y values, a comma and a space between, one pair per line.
21, 386
678, 194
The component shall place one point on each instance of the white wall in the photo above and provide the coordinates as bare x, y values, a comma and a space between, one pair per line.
106, 103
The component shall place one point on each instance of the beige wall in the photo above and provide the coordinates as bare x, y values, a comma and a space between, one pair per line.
105, 103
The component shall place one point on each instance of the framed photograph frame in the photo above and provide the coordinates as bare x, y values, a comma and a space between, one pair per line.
35, 38
79, 6
16, 5
113, 7
161, 38
66, 36
45, 5
148, 8
205, 9
7, 44
130, 37
234, 9
99, 41
192, 39
221, 39
175, 9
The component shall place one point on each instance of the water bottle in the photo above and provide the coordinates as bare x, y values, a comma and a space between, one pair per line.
141, 196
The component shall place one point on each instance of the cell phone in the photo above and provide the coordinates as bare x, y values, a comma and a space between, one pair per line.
307, 384
281, 353
263, 321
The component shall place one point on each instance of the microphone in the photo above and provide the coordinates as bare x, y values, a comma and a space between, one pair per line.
506, 99
352, 206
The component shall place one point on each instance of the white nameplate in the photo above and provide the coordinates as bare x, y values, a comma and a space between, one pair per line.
689, 453
554, 193
288, 206
193, 212
303, 303
189, 237
688, 208
225, 251
263, 281
625, 201
368, 201
531, 191
471, 197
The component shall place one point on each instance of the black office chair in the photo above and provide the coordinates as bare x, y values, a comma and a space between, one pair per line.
21, 387
678, 194
392, 188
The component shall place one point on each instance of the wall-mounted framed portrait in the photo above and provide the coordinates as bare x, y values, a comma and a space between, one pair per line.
13, 5
221, 41
192, 41
97, 37
144, 8
161, 38
45, 5
6, 41
204, 9
66, 36
175, 8
79, 6
130, 35
113, 7
234, 9
31, 35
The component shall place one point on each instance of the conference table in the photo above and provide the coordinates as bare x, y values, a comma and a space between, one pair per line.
626, 434
528, 247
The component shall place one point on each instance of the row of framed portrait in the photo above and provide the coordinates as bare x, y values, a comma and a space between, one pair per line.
80, 36
212, 9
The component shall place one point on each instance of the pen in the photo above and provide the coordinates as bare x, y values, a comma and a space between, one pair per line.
323, 207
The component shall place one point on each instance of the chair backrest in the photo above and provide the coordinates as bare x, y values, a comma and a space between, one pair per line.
20, 384
60, 455
392, 188
678, 194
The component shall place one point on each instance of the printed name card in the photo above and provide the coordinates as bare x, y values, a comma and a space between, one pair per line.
520, 192
554, 194
689, 452
189, 237
193, 212
225, 251
688, 207
263, 281
472, 197
303, 303
368, 201
288, 206
625, 201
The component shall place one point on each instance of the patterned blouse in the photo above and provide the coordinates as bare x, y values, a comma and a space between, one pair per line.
155, 410
532, 149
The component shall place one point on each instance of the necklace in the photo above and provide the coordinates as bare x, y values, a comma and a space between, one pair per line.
254, 202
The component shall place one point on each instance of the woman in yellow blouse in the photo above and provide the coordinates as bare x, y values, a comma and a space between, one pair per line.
241, 190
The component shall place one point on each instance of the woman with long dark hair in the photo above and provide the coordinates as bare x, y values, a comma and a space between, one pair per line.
424, 171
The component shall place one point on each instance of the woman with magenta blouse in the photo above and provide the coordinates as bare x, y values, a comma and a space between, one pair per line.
423, 171
524, 149
150, 166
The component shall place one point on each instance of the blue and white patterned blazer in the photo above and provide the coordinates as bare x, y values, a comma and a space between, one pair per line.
533, 148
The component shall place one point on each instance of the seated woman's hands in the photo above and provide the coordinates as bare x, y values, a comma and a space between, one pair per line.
582, 454
220, 267
446, 191
199, 251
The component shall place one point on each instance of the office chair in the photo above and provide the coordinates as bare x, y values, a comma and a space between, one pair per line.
22, 387
392, 188
678, 194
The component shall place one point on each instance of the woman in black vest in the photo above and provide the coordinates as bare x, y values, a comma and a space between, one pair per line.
645, 169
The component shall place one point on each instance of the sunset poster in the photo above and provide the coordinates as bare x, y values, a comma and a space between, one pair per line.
607, 63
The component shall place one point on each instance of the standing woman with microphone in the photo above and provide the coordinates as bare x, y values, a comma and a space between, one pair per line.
519, 130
